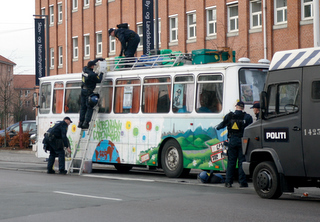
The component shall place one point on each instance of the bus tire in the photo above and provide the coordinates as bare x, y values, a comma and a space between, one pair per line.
266, 180
172, 159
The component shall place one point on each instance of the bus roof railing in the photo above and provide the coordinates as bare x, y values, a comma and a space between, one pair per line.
145, 62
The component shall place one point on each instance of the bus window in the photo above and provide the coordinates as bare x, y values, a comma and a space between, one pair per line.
251, 84
45, 98
183, 91
127, 96
156, 95
209, 93
72, 97
106, 98
57, 97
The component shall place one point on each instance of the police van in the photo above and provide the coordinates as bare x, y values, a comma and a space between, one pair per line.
282, 148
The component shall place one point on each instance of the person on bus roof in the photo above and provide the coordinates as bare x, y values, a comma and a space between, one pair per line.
235, 123
129, 40
89, 81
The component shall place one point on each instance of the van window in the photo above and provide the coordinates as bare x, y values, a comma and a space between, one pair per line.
57, 97
283, 99
209, 93
315, 90
106, 99
127, 96
72, 97
183, 91
45, 98
156, 95
251, 84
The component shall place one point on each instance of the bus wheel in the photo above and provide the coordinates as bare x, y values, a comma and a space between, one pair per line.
172, 159
123, 168
266, 180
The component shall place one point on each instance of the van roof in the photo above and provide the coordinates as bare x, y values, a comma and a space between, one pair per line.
295, 58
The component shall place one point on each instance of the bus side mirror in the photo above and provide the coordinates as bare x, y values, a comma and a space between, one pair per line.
263, 104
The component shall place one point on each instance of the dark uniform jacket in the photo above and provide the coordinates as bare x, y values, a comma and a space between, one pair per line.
124, 35
229, 120
90, 79
58, 135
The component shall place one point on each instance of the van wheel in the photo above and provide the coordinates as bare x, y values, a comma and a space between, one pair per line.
266, 180
172, 159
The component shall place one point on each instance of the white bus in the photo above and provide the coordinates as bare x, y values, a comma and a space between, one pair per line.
156, 117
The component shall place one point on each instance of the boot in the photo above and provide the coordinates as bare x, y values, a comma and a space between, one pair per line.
80, 124
85, 125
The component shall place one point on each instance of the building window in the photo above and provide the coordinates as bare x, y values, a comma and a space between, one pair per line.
86, 45
75, 47
99, 43
60, 56
43, 11
211, 21
140, 33
112, 44
74, 4
51, 17
192, 25
255, 14
86, 3
26, 93
174, 29
51, 57
159, 33
233, 18
280, 14
59, 12
98, 2
307, 9
27, 103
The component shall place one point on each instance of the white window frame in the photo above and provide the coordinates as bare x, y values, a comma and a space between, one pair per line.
60, 54
26, 93
233, 18
51, 14
211, 22
99, 43
43, 11
27, 103
51, 57
303, 9
86, 3
255, 16
173, 29
192, 25
98, 2
60, 12
112, 45
140, 33
282, 10
74, 5
86, 44
75, 47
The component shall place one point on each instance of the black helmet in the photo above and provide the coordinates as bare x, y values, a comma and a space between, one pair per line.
93, 100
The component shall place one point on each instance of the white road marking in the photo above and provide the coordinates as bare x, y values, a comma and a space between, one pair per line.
118, 178
89, 196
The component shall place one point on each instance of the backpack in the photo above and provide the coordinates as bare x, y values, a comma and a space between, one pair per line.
236, 124
49, 136
123, 26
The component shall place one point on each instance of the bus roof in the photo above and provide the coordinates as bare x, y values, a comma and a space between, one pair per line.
169, 70
295, 58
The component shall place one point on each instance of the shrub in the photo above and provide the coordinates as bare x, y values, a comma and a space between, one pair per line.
15, 140
2, 139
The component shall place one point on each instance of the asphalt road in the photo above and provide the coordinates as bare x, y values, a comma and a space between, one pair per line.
27, 193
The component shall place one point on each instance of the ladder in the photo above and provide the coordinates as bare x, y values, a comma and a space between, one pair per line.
85, 134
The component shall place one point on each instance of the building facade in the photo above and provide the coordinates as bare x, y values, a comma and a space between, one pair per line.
256, 29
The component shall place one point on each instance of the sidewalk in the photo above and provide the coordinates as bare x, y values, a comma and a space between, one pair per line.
26, 156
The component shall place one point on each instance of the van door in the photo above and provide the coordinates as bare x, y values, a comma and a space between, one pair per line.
282, 128
310, 120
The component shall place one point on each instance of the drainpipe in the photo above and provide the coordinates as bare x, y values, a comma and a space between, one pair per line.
264, 30
316, 24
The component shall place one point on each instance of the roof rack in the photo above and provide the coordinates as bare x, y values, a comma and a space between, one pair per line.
147, 62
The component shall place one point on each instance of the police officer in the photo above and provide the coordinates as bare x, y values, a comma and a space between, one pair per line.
89, 81
235, 123
57, 140
256, 109
129, 40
